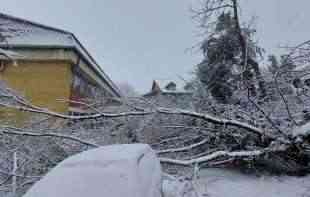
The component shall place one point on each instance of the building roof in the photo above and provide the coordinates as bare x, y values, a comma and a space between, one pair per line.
27, 34
162, 86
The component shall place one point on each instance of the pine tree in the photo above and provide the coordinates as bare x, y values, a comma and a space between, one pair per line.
222, 67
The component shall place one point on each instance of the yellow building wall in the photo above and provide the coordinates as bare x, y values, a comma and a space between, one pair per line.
41, 82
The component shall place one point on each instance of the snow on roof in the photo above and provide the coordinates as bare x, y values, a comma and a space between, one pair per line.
23, 33
163, 83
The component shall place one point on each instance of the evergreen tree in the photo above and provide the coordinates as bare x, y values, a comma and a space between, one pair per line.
222, 67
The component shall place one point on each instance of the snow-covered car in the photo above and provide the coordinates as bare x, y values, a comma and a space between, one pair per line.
109, 171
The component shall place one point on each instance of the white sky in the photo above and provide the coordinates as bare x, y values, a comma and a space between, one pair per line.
140, 40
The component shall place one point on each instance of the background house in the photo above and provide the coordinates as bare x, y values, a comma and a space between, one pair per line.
168, 93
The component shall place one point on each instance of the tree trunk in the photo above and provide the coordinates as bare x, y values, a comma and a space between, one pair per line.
245, 58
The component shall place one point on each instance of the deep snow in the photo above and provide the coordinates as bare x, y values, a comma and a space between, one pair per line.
134, 171
111, 171
227, 183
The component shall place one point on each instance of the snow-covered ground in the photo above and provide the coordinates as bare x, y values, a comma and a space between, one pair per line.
227, 183
134, 170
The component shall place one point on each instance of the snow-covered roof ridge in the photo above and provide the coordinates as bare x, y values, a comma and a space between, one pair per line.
33, 23
20, 32
164, 83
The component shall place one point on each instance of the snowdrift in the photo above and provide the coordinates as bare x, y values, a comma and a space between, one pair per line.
110, 171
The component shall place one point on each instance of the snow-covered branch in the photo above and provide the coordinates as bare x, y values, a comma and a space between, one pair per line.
183, 148
23, 132
44, 111
215, 155
216, 120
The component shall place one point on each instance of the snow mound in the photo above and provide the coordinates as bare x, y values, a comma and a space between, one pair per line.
112, 171
303, 130
224, 183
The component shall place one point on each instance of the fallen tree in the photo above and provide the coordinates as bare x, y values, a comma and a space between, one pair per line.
254, 144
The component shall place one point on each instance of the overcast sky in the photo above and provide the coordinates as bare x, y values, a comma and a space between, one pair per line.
137, 41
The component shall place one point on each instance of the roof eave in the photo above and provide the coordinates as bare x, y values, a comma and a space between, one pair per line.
99, 71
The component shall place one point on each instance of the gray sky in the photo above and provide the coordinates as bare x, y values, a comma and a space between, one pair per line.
140, 40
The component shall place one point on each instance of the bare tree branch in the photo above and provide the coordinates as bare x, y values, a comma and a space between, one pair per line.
216, 120
22, 132
43, 111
